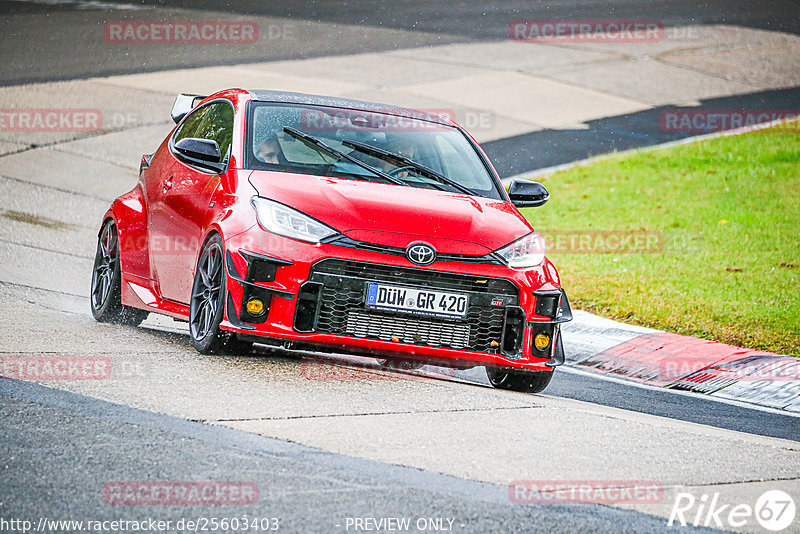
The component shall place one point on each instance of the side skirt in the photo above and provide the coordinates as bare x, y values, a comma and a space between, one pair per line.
140, 293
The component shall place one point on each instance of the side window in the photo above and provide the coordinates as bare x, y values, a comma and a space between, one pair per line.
191, 123
214, 121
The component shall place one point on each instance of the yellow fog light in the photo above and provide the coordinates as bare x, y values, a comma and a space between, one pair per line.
255, 307
541, 341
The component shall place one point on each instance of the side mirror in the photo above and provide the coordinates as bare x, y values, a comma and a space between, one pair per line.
202, 152
527, 194
197, 148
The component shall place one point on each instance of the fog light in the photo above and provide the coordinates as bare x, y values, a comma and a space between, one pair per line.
255, 307
541, 341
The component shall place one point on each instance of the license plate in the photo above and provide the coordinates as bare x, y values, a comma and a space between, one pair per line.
417, 301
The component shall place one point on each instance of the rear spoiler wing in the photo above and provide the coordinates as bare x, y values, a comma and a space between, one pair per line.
184, 103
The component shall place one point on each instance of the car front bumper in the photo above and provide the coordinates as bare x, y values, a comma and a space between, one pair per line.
314, 296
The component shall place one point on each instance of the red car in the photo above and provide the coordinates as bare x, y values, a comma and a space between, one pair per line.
312, 221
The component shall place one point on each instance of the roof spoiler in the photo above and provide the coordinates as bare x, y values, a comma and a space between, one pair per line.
184, 104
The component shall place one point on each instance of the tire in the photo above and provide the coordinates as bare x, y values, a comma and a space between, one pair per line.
525, 382
105, 298
207, 304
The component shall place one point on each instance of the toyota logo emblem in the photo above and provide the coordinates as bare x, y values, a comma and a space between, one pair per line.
421, 253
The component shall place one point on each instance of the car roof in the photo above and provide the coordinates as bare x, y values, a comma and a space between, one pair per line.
346, 103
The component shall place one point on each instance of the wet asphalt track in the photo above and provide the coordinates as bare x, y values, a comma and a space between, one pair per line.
54, 471
403, 23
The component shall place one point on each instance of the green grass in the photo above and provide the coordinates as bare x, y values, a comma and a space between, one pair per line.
728, 213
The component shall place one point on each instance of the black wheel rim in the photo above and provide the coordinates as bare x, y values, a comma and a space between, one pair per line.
105, 264
206, 292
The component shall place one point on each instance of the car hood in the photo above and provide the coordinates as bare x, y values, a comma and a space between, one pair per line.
392, 215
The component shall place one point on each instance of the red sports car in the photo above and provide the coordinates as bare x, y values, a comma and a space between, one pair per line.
310, 221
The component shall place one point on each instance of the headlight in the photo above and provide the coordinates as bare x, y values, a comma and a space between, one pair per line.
525, 252
283, 220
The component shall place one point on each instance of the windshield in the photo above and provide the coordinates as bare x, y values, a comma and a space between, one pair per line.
362, 145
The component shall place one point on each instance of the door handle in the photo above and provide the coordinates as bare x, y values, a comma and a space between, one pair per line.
167, 185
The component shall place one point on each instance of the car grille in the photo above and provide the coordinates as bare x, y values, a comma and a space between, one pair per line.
408, 329
340, 306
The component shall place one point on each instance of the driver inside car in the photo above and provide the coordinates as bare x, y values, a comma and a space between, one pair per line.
269, 151
403, 147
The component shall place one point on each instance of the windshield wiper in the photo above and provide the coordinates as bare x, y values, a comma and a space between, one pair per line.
313, 142
420, 168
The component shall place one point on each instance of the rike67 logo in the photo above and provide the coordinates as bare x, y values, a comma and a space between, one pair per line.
774, 510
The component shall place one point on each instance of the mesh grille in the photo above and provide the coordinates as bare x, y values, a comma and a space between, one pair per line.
342, 310
407, 329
